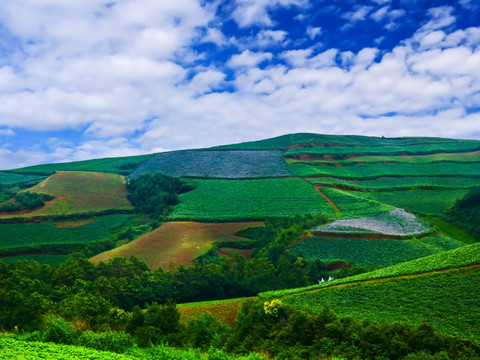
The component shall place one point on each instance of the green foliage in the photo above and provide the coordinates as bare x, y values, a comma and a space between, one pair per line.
466, 213
411, 300
155, 194
252, 199
26, 200
366, 252
13, 178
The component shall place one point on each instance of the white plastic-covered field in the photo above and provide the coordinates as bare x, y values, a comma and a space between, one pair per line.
396, 222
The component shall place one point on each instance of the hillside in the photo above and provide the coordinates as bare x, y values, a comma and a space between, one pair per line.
392, 220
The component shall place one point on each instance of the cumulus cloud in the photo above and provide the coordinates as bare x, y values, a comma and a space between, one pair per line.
248, 59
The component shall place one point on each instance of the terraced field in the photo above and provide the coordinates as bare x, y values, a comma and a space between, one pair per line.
177, 242
372, 252
217, 164
79, 192
252, 199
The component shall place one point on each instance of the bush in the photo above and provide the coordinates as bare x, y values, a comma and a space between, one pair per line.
59, 331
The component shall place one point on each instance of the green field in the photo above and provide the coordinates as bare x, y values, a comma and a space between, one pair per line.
417, 201
110, 165
47, 233
461, 257
448, 301
7, 178
351, 205
254, 199
368, 252
285, 141
79, 192
371, 171
464, 146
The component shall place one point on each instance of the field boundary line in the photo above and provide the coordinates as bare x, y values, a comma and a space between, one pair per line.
330, 201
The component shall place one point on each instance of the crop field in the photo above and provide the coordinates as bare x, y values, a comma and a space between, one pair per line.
285, 141
370, 171
46, 233
412, 159
418, 201
178, 242
351, 206
11, 349
395, 222
464, 256
51, 260
224, 310
217, 164
7, 178
448, 301
252, 199
109, 165
400, 183
464, 146
79, 192
367, 252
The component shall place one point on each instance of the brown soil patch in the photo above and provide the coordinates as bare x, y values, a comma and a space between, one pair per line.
225, 310
177, 243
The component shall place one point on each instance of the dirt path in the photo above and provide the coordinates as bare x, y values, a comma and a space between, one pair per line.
335, 207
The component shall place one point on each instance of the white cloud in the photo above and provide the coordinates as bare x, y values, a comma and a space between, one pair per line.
313, 32
441, 17
248, 59
7, 132
255, 12
359, 13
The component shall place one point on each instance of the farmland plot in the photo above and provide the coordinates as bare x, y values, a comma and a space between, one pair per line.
8, 178
252, 199
367, 252
217, 164
395, 222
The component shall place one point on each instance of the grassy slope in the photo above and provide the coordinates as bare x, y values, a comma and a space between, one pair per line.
178, 242
236, 199
79, 192
110, 165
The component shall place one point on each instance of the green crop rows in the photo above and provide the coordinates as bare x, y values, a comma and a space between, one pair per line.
462, 256
448, 301
452, 182
46, 233
351, 206
370, 171
365, 252
412, 149
418, 201
236, 199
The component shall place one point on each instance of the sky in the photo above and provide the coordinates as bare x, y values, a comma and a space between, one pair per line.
91, 78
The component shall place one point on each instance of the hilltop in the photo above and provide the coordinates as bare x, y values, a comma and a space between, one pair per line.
392, 220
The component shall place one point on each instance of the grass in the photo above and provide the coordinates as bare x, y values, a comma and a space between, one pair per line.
418, 201
400, 183
368, 252
252, 199
448, 301
217, 164
371, 171
224, 310
451, 230
79, 192
47, 233
177, 242
109, 165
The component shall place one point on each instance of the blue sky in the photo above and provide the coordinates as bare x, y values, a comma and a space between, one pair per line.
89, 79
